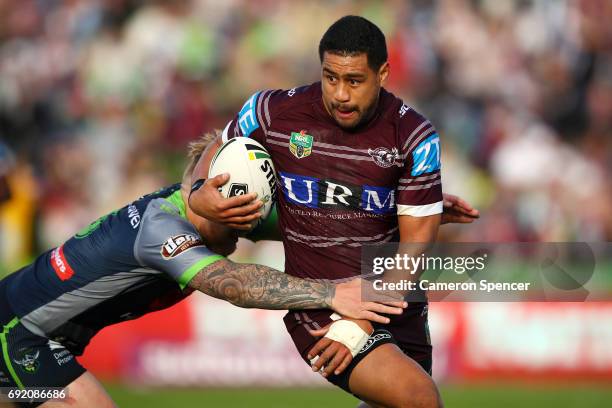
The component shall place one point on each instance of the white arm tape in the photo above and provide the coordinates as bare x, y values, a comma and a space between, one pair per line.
348, 333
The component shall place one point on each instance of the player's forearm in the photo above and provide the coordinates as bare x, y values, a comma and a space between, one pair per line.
417, 236
258, 286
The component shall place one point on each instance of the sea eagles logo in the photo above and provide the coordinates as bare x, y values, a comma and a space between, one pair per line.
29, 361
384, 157
178, 244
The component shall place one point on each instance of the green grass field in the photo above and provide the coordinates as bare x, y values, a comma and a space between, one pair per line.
455, 396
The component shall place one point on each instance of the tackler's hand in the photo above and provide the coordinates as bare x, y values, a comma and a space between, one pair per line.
457, 210
349, 301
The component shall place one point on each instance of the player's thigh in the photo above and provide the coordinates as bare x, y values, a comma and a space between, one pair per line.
84, 392
387, 377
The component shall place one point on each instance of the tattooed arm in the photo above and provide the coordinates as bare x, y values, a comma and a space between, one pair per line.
250, 285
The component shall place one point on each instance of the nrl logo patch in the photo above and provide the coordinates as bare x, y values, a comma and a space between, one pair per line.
384, 157
29, 361
178, 244
300, 144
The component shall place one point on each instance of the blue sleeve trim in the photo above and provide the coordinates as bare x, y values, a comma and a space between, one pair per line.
247, 118
426, 157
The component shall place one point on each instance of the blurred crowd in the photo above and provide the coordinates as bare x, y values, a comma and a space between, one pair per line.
98, 100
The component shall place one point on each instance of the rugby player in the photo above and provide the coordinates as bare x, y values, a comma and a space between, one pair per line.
141, 258
356, 165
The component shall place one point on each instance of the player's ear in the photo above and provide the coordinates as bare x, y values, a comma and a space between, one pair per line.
383, 73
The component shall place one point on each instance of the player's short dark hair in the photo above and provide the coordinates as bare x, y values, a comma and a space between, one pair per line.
353, 35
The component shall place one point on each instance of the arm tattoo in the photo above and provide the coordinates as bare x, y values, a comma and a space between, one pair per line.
250, 285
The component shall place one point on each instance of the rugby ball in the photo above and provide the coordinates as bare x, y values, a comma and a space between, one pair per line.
250, 168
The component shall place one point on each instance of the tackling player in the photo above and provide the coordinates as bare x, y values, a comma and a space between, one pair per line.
141, 258
356, 166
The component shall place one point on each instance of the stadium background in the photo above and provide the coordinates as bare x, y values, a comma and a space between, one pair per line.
99, 98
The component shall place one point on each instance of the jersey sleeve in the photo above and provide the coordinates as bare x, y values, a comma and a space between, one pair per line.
255, 116
169, 243
419, 191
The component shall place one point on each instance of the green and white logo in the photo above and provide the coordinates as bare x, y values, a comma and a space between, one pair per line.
300, 144
28, 360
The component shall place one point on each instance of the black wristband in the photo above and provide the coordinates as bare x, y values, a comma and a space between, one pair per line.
196, 185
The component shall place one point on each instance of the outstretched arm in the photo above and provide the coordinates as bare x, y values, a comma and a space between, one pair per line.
258, 286
458, 211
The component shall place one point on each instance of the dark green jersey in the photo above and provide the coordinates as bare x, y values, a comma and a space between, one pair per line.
130, 262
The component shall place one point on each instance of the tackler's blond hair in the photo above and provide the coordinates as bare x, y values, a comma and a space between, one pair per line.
196, 148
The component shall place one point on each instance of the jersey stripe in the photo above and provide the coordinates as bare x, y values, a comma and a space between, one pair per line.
338, 155
341, 239
420, 210
267, 109
331, 244
422, 137
422, 127
284, 144
283, 136
260, 99
420, 186
193, 270
5, 354
419, 179
53, 314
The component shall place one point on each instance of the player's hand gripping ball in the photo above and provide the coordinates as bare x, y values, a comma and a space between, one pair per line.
250, 168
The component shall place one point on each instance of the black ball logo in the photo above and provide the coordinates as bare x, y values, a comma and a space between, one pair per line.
237, 189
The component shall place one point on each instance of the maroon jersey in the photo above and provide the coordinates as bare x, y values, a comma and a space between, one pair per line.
341, 189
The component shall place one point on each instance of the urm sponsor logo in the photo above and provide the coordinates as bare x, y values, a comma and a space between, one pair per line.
313, 192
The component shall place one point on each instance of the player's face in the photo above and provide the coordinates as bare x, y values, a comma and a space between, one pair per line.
351, 88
